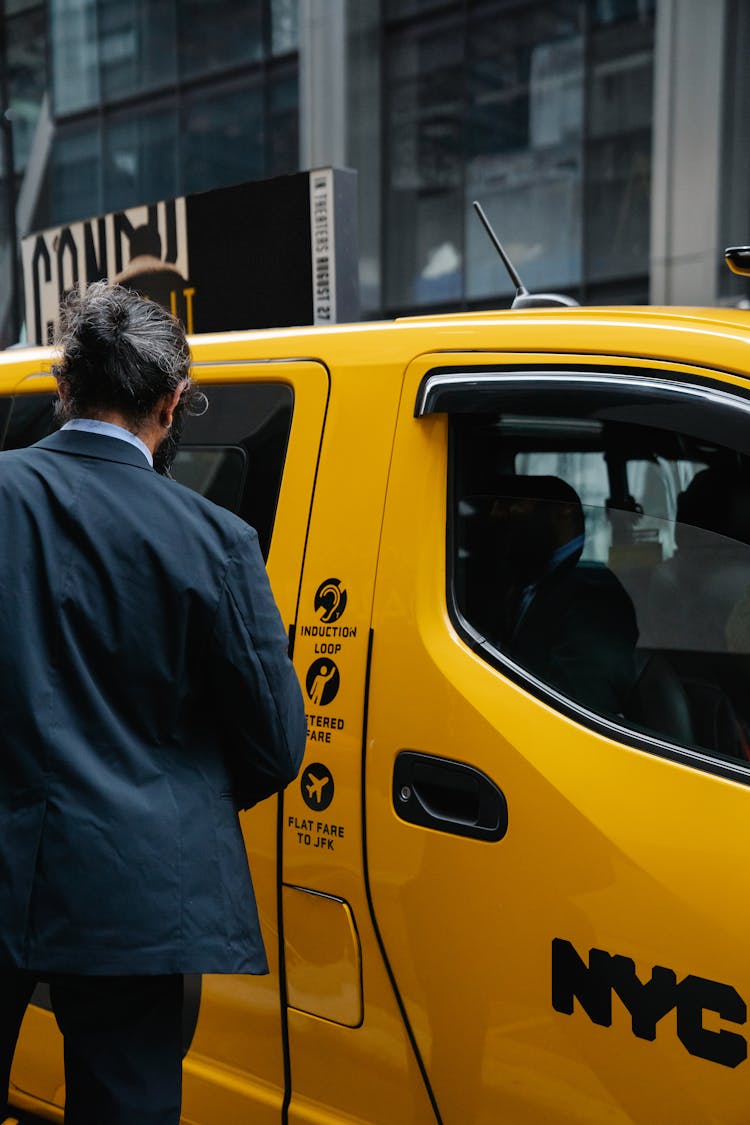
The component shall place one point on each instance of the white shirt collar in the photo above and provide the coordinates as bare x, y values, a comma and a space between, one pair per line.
109, 429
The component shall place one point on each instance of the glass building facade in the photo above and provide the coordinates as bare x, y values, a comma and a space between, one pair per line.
542, 112
735, 200
23, 82
546, 111
159, 98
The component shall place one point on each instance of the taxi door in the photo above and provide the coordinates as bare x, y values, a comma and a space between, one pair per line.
563, 900
350, 1057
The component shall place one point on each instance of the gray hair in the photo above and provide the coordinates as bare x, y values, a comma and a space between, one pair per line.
121, 352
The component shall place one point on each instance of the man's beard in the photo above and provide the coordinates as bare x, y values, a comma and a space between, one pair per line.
166, 450
62, 412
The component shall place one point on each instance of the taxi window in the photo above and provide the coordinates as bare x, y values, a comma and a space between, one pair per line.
5, 405
233, 454
599, 548
31, 417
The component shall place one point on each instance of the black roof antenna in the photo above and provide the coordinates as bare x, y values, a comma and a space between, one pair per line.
523, 299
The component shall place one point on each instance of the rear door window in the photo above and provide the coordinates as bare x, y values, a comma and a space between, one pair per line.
30, 418
234, 453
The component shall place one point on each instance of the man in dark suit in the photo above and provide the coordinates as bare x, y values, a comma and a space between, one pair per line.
145, 695
573, 626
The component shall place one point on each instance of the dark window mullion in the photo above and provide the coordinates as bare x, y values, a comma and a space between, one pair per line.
585, 120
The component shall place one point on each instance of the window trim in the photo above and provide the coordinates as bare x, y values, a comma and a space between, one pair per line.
441, 387
432, 397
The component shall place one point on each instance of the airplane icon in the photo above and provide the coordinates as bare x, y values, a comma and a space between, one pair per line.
314, 787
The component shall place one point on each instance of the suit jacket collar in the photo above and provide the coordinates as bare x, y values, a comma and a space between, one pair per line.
82, 443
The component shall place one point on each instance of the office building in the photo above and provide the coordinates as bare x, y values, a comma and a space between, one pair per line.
605, 139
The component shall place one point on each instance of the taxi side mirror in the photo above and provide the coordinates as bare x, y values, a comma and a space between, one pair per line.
738, 259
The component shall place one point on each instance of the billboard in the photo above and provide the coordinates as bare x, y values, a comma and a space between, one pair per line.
268, 254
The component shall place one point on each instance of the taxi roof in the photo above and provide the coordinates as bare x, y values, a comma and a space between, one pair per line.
713, 337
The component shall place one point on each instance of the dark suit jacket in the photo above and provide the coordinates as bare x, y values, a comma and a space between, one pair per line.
579, 634
143, 681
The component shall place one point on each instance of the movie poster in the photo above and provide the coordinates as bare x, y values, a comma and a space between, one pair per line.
268, 254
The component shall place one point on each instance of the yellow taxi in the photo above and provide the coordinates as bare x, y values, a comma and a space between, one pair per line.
513, 553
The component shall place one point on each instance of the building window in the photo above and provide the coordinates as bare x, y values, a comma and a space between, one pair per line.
214, 38
542, 111
137, 45
223, 139
424, 221
75, 173
284, 26
161, 98
75, 55
140, 159
618, 143
524, 160
735, 168
282, 135
26, 72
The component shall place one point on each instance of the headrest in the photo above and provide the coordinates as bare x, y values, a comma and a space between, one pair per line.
718, 500
545, 489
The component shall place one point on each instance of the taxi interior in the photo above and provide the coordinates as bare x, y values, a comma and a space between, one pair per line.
667, 512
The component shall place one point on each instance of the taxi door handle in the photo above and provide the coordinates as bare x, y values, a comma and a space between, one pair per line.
448, 796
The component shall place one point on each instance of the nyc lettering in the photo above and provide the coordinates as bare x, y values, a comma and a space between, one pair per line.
316, 833
649, 1001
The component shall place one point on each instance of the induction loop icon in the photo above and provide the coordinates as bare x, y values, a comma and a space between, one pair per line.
322, 682
330, 600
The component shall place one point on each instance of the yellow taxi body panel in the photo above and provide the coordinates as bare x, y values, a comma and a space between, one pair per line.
585, 959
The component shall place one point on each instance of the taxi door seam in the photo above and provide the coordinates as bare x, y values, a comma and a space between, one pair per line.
371, 906
313, 489
283, 991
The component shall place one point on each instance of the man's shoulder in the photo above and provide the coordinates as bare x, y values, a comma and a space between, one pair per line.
16, 459
25, 453
590, 588
598, 596
182, 498
167, 499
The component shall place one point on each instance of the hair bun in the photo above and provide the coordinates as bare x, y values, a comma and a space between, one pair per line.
119, 351
120, 318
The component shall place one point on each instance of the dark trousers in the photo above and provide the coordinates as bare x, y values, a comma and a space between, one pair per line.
123, 1044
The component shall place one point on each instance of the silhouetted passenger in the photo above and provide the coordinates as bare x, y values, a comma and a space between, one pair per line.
573, 626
